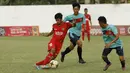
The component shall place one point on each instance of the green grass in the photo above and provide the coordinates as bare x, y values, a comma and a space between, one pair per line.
19, 54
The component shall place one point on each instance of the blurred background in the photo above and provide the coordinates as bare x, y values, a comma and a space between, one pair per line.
51, 2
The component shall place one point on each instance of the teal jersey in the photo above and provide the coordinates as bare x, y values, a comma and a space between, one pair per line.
80, 19
109, 34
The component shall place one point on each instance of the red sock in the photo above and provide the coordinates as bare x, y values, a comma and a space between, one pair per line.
40, 63
46, 60
88, 35
55, 55
83, 34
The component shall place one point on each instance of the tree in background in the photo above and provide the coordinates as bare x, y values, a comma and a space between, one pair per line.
45, 2
24, 2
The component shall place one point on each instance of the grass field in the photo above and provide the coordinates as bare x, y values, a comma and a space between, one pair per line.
19, 54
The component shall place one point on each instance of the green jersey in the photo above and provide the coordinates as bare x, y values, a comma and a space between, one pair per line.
109, 34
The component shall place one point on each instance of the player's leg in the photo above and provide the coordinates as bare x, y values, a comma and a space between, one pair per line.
70, 47
57, 50
67, 50
105, 53
120, 52
88, 31
51, 50
43, 64
88, 35
83, 31
79, 51
49, 57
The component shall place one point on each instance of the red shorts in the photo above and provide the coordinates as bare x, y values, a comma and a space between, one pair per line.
53, 44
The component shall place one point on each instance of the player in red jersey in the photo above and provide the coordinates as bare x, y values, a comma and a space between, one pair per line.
59, 32
88, 24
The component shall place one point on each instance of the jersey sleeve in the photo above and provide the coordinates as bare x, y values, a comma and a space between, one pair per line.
114, 30
90, 17
66, 19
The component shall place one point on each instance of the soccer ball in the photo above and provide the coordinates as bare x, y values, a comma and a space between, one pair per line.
54, 64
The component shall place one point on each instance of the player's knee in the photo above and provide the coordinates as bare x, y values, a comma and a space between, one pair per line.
54, 57
79, 44
121, 58
120, 53
52, 51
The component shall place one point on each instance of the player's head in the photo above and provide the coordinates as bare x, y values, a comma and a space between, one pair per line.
102, 21
85, 10
76, 7
58, 17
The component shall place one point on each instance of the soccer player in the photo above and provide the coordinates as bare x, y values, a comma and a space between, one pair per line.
75, 32
112, 41
88, 23
59, 32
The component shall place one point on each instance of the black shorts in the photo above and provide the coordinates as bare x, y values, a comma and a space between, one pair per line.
119, 51
74, 39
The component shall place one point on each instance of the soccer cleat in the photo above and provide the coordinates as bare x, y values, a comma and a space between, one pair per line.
123, 68
106, 67
82, 61
45, 67
62, 57
37, 67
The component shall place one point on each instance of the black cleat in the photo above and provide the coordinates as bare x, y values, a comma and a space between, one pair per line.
82, 61
62, 57
106, 67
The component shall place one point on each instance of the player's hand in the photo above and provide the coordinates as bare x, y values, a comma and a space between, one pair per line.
73, 23
107, 45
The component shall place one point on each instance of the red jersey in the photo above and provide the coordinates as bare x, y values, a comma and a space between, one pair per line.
60, 31
87, 16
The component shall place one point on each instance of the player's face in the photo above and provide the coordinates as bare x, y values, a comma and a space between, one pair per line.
59, 21
101, 25
76, 10
85, 11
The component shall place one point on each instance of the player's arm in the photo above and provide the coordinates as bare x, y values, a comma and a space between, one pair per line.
68, 19
90, 20
71, 23
49, 34
116, 34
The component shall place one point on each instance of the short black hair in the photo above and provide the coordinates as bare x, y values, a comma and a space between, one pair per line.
85, 8
102, 19
76, 5
58, 15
